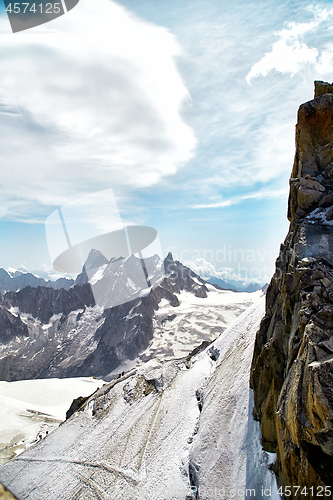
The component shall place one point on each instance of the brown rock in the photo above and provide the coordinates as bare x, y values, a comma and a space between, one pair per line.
5, 494
309, 193
292, 368
322, 88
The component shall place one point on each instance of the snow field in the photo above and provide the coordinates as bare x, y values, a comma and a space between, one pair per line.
30, 408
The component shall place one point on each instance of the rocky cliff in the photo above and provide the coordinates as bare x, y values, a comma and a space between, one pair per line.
292, 368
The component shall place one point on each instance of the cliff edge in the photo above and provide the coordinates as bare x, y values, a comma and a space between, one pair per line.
292, 367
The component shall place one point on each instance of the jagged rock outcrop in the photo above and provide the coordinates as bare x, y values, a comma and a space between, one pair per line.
292, 369
10, 326
182, 278
323, 88
42, 303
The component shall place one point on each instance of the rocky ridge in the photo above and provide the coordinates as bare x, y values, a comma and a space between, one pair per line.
292, 368
67, 334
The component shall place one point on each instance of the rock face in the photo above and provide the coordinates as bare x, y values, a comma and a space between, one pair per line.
292, 368
42, 303
10, 326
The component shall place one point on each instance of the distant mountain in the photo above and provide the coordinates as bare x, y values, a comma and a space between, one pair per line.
120, 280
221, 283
12, 282
238, 286
253, 287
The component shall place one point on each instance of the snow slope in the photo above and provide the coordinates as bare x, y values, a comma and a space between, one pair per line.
31, 408
179, 330
162, 432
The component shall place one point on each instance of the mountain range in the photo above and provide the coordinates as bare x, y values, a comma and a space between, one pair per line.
13, 281
237, 286
168, 429
75, 332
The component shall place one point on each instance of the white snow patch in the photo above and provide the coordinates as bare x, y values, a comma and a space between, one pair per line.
14, 311
29, 408
98, 275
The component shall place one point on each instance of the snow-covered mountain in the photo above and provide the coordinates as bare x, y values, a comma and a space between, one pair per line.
238, 286
120, 280
167, 430
16, 280
64, 333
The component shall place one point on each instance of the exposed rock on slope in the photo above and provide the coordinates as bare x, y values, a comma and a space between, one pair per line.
292, 369
5, 494
11, 326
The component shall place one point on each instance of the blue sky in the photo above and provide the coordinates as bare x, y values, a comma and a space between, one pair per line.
186, 109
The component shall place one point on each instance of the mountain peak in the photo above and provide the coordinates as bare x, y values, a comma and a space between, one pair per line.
94, 260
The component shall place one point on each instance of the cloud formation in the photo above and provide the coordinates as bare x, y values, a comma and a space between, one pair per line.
290, 54
207, 270
258, 195
90, 101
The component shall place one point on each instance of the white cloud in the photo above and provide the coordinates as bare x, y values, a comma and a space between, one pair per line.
290, 54
207, 270
90, 105
258, 195
325, 61
201, 267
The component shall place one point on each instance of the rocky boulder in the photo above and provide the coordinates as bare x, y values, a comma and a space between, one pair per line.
5, 494
323, 88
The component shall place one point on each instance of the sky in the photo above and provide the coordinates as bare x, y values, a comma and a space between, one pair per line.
185, 109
